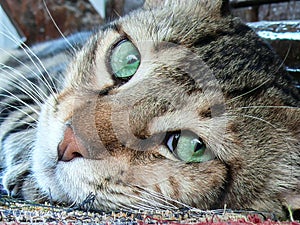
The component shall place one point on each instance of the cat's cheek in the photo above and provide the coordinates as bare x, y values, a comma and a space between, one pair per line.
44, 158
79, 178
197, 184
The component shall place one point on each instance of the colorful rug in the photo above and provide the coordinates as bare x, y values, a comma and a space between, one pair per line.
21, 212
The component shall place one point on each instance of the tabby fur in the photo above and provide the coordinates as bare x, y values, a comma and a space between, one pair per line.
201, 70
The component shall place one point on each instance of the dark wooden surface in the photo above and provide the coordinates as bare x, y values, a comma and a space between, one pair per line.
34, 21
251, 3
71, 16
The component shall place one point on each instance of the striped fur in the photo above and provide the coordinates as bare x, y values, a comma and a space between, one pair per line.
28, 77
201, 71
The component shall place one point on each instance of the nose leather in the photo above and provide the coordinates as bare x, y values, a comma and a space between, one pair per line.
71, 146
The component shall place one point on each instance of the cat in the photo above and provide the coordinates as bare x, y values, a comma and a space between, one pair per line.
177, 104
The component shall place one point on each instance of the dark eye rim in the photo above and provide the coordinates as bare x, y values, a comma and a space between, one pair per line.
170, 133
118, 80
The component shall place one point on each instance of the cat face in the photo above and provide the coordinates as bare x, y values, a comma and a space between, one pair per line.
174, 105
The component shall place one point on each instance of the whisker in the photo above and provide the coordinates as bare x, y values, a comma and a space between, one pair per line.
159, 196
43, 67
268, 107
124, 207
18, 99
155, 38
248, 92
21, 122
143, 207
42, 77
31, 56
155, 204
286, 56
38, 90
57, 28
120, 206
20, 110
16, 85
280, 135
11, 36
260, 119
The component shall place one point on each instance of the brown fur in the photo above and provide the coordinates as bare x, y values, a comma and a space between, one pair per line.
201, 70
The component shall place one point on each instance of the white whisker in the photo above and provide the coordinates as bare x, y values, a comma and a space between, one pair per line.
155, 204
21, 123
268, 107
248, 92
159, 196
17, 86
58, 29
280, 135
38, 91
31, 56
123, 207
18, 109
255, 118
41, 78
39, 70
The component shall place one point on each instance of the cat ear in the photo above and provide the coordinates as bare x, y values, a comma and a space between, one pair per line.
216, 7
224, 7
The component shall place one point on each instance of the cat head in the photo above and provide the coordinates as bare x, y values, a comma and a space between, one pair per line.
154, 113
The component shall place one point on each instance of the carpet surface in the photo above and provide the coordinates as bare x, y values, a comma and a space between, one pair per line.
14, 211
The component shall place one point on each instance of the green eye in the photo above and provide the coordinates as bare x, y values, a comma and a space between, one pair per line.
125, 59
188, 147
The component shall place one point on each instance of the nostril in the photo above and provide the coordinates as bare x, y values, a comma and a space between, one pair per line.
67, 154
70, 147
77, 155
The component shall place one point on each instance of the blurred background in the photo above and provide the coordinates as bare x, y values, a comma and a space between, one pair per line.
31, 21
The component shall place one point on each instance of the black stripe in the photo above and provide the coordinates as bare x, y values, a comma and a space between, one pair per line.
61, 45
111, 26
179, 77
50, 49
17, 129
14, 106
226, 189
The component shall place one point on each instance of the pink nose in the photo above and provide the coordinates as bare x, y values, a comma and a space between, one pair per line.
71, 147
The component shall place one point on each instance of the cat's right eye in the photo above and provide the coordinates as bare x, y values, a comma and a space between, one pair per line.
188, 147
125, 60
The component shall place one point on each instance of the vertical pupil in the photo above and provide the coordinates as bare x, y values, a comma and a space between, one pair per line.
175, 140
199, 145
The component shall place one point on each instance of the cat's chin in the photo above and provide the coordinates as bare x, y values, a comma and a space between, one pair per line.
78, 182
73, 182
111, 184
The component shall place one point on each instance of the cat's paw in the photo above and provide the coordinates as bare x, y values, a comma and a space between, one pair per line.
13, 178
16, 163
19, 183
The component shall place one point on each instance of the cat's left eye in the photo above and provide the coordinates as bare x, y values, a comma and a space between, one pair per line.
125, 60
188, 147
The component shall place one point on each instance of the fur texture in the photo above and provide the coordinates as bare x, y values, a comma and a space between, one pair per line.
71, 132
